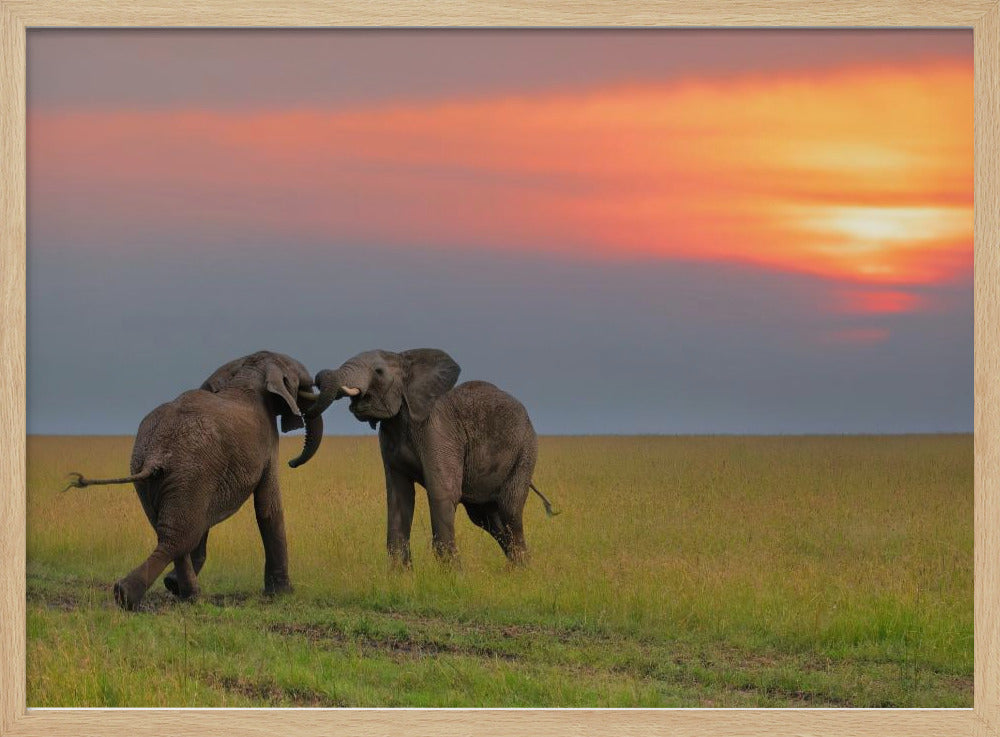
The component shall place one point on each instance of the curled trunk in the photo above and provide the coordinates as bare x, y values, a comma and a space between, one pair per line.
348, 380
314, 436
329, 390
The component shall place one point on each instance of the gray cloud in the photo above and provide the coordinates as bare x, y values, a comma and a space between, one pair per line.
589, 347
239, 69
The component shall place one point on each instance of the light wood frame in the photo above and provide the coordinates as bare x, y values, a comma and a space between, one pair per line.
983, 16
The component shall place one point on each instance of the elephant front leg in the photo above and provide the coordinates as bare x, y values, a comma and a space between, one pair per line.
400, 496
271, 523
443, 471
443, 529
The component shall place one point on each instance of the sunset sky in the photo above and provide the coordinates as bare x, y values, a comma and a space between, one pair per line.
632, 231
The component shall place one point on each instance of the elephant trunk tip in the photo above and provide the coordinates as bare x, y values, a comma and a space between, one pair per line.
311, 442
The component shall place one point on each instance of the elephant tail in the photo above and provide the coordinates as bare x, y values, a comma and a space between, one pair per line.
77, 481
548, 505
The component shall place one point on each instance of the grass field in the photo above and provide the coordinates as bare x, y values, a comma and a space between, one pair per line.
683, 571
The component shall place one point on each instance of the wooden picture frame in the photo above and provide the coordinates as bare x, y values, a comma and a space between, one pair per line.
17, 16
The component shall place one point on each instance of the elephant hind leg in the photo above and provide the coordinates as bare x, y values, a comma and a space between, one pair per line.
487, 516
130, 589
170, 546
184, 578
197, 561
509, 536
199, 553
510, 509
516, 548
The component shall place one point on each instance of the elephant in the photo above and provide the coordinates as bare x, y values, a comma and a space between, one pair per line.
471, 444
198, 458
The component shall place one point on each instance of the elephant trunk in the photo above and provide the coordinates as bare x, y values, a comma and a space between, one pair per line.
345, 381
329, 390
314, 436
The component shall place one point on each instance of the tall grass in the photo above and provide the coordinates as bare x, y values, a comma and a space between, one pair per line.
681, 571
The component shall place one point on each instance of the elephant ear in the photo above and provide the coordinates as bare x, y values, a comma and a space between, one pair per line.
277, 382
429, 374
221, 377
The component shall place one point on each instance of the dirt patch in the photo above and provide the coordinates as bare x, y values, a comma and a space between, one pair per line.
64, 593
800, 696
73, 594
66, 601
271, 693
398, 644
565, 635
231, 599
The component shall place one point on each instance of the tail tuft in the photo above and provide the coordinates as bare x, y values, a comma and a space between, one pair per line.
549, 511
79, 482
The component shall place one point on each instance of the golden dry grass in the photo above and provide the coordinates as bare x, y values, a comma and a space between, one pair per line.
683, 571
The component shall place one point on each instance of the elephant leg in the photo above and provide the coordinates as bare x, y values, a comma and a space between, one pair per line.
510, 509
443, 529
197, 561
130, 589
271, 523
199, 553
516, 548
479, 514
185, 578
487, 516
173, 544
443, 470
399, 504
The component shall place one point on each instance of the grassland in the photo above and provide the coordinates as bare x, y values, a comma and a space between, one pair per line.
729, 571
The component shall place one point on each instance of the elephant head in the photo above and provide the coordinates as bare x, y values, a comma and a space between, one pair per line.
380, 383
283, 384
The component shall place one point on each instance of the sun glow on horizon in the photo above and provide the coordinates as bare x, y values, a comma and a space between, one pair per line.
861, 175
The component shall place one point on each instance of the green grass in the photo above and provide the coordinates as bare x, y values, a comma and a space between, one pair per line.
687, 571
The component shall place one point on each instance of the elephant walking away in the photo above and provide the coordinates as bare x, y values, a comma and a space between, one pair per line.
198, 458
471, 444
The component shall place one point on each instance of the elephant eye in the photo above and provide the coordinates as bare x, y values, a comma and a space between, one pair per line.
380, 371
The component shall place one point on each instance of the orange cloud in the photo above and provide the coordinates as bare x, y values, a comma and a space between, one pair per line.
877, 302
862, 174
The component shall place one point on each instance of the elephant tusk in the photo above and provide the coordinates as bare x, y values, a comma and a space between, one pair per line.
312, 396
351, 391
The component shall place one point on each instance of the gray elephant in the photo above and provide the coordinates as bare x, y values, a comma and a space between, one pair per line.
471, 445
197, 459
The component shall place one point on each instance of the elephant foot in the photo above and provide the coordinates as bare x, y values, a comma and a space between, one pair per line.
277, 588
170, 581
128, 594
449, 561
400, 563
518, 559
173, 586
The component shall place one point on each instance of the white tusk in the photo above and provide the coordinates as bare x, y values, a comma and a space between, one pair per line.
350, 391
